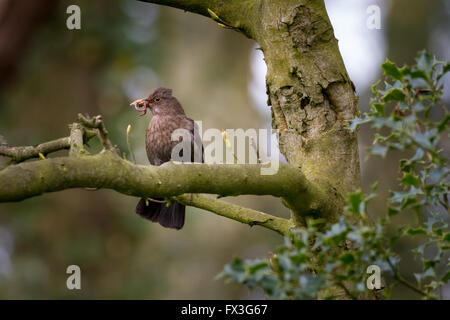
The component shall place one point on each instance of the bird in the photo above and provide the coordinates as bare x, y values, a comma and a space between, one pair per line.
167, 116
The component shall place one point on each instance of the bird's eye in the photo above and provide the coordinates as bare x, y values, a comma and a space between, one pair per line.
157, 99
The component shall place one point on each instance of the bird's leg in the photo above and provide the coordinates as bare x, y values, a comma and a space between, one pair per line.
154, 200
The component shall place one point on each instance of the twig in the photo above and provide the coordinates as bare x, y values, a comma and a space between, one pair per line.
220, 22
228, 144
97, 124
347, 292
253, 144
129, 144
157, 201
400, 279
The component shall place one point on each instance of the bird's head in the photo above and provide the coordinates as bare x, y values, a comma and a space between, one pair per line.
160, 101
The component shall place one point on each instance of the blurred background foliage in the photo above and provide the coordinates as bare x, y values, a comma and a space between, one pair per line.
124, 50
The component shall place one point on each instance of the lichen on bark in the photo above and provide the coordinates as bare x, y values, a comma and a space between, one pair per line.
311, 94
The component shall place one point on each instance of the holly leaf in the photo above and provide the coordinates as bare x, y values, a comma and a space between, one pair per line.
394, 94
391, 70
416, 231
410, 180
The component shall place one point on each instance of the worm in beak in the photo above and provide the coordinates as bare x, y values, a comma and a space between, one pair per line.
140, 105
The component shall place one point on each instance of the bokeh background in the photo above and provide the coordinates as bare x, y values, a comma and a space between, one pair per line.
124, 50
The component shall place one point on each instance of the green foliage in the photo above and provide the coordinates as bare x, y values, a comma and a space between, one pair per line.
321, 257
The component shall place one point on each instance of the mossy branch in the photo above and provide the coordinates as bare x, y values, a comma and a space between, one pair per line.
96, 124
108, 170
238, 213
22, 180
230, 14
19, 154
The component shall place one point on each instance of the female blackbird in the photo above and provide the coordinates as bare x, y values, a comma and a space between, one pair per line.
167, 116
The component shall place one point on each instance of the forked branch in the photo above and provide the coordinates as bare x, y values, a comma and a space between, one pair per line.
25, 179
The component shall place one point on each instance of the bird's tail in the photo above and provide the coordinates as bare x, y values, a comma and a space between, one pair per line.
168, 217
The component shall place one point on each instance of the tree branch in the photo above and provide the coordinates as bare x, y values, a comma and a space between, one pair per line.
231, 14
32, 178
96, 123
19, 154
76, 140
238, 213
78, 137
108, 170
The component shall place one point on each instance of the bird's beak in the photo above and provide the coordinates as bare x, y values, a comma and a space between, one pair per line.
140, 105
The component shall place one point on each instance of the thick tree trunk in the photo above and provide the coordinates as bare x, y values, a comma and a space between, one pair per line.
311, 94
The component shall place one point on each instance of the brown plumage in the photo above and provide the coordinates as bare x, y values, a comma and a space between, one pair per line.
168, 116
